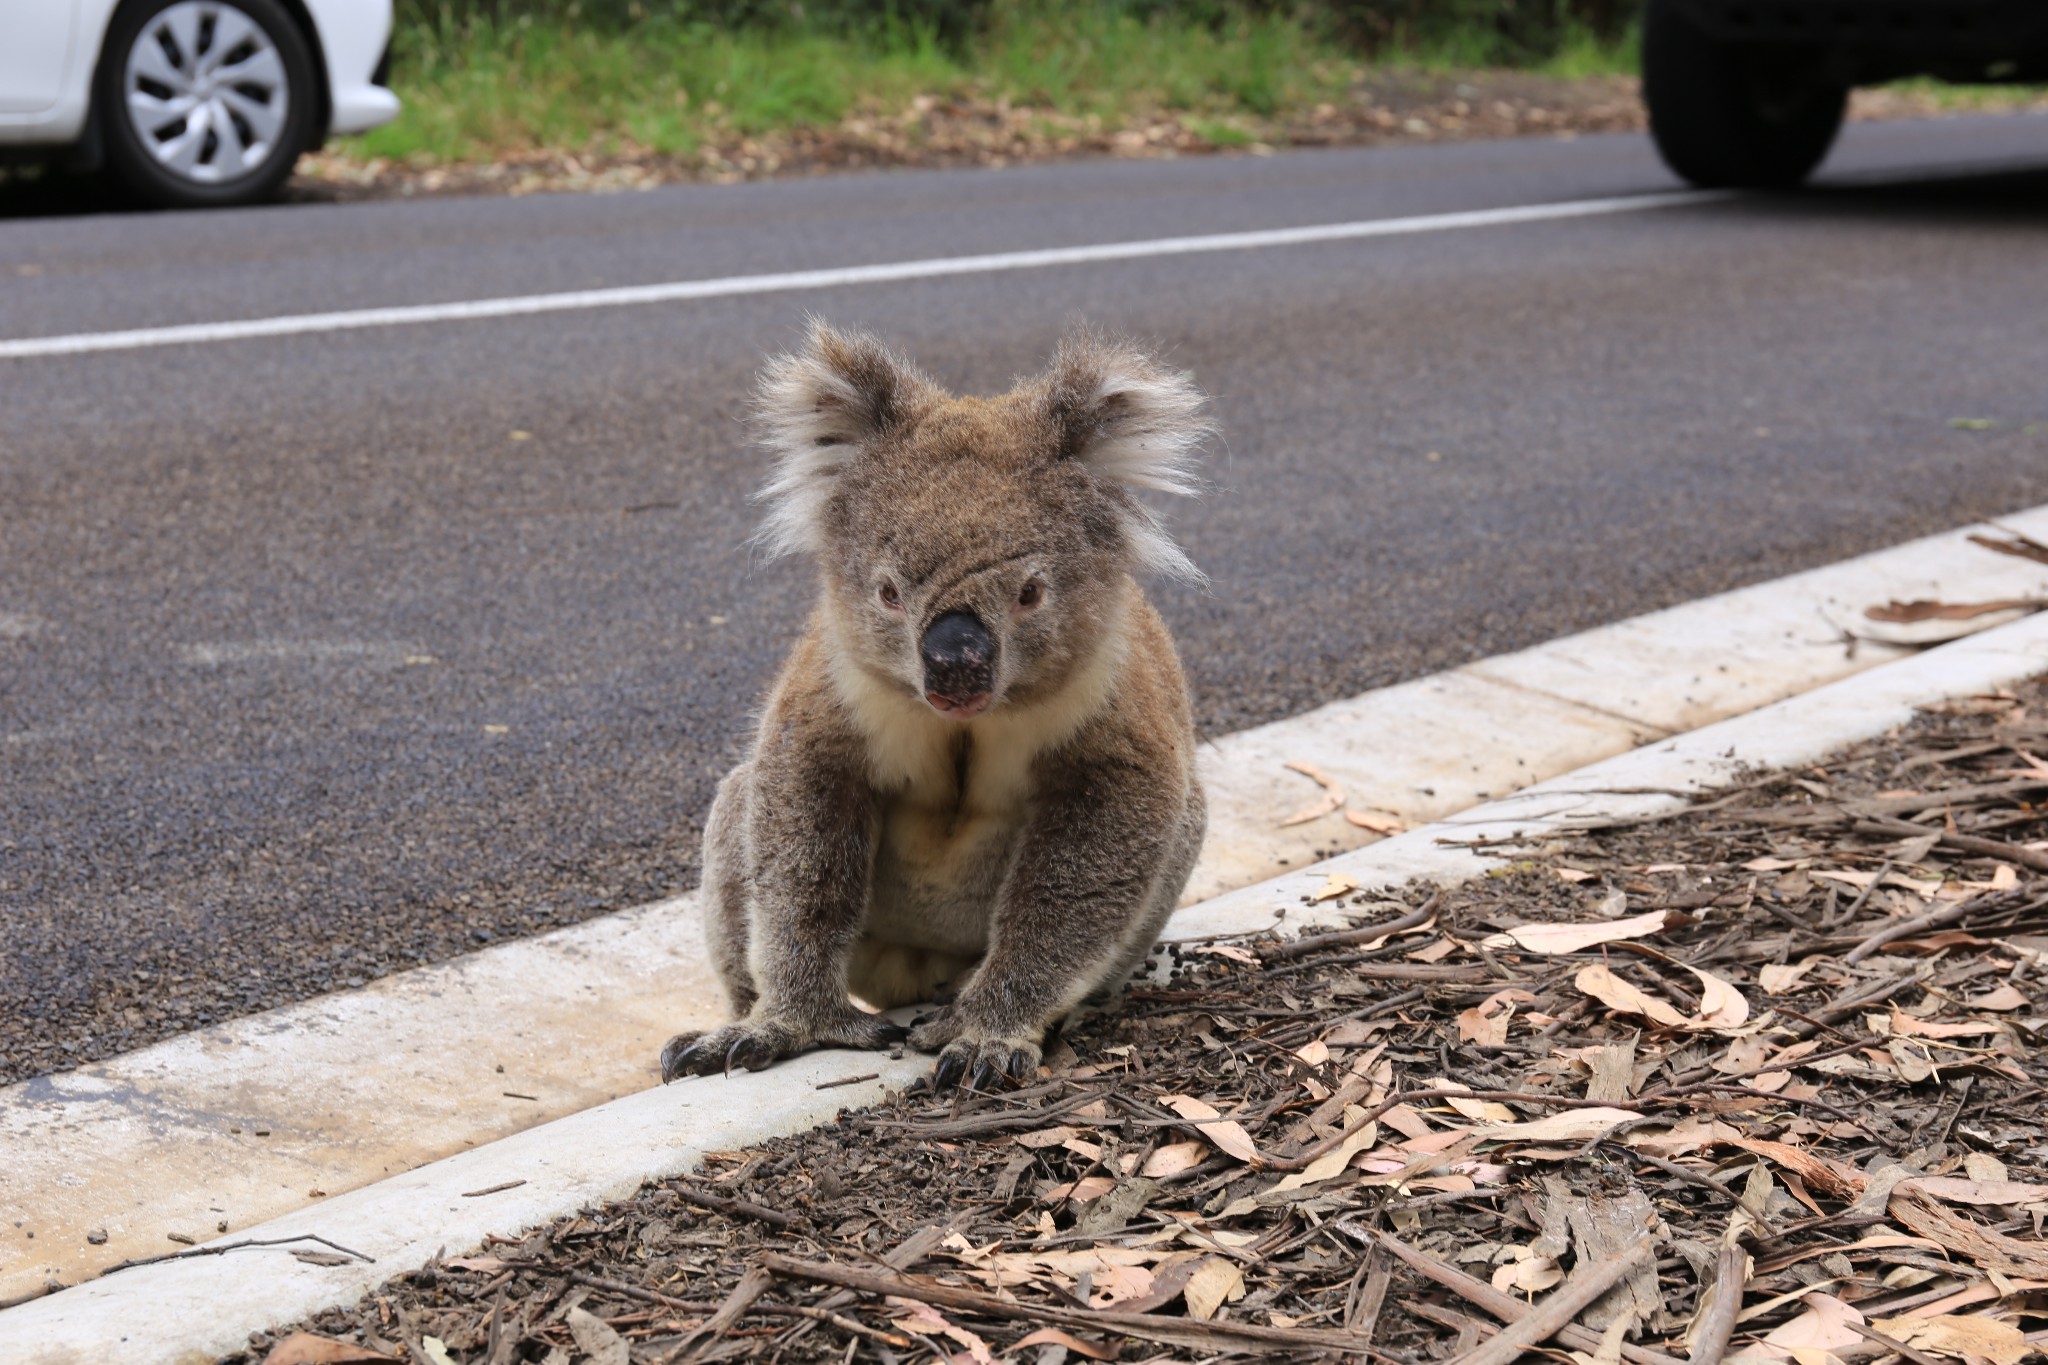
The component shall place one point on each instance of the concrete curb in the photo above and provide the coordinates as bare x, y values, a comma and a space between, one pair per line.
195, 1308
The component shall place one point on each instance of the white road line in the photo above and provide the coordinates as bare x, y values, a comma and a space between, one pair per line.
476, 310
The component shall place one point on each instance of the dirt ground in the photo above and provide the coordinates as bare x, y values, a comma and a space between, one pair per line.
1388, 106
1760, 1082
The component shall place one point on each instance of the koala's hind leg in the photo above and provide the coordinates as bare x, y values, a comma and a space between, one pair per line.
725, 905
782, 936
725, 887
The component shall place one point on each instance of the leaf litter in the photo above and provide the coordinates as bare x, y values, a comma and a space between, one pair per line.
1760, 1083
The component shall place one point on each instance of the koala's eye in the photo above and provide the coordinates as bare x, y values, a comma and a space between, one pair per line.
890, 598
1030, 594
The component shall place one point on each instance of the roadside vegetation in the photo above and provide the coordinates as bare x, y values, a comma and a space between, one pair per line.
482, 79
520, 95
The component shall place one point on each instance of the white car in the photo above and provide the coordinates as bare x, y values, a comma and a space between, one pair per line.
190, 102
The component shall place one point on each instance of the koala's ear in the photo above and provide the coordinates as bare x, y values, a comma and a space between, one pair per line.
1126, 417
1133, 423
815, 409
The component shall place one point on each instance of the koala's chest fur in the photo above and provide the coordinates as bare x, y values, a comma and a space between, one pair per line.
954, 803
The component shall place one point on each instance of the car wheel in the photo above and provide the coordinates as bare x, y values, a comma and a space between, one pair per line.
205, 102
1735, 114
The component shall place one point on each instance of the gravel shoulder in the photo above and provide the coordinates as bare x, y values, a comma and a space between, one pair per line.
1764, 1072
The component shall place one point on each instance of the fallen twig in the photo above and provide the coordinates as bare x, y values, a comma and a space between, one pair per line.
751, 1287
1503, 1306
847, 1080
1869, 1333
1169, 1331
737, 1208
1962, 843
1301, 947
493, 1189
1357, 1124
1906, 928
786, 1310
226, 1247
1717, 1318
1560, 1309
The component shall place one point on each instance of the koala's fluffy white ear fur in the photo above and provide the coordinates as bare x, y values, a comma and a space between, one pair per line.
815, 408
1132, 422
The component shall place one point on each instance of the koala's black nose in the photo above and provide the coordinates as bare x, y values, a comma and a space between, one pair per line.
959, 663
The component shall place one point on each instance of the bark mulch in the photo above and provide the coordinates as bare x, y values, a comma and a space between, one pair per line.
1759, 1081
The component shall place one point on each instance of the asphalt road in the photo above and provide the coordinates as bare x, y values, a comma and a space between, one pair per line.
311, 670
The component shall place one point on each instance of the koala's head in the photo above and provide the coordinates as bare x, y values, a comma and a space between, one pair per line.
975, 551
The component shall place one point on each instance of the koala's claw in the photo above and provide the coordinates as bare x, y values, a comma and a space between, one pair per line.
752, 1045
676, 1055
736, 1045
987, 1066
751, 1053
952, 1066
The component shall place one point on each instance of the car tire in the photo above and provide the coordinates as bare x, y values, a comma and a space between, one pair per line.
1735, 115
205, 103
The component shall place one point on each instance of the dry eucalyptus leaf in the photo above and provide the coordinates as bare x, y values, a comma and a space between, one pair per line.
1331, 799
1175, 1158
1777, 978
1214, 1281
303, 1348
596, 1339
1721, 1005
1376, 821
1956, 1190
1822, 1326
927, 1320
1611, 991
1527, 1275
2003, 999
1053, 1336
1574, 938
1906, 1025
1226, 1135
1963, 1336
1487, 1030
1334, 885
1567, 1125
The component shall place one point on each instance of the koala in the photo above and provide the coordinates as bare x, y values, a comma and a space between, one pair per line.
974, 777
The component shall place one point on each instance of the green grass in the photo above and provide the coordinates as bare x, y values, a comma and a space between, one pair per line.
1577, 52
548, 76
1967, 98
662, 85
478, 87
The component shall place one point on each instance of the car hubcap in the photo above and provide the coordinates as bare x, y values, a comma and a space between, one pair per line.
206, 90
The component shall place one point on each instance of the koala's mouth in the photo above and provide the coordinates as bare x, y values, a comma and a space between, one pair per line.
959, 708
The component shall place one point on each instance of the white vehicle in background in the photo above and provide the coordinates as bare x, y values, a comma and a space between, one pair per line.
190, 102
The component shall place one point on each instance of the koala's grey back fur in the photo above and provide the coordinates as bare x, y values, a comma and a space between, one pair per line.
1023, 858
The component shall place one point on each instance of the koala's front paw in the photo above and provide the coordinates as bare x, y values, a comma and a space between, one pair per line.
757, 1043
986, 1063
930, 1033
870, 1032
750, 1043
